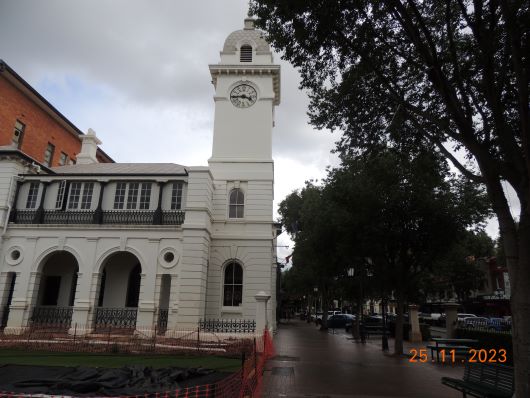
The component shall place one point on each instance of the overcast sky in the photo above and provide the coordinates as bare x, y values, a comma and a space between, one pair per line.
136, 71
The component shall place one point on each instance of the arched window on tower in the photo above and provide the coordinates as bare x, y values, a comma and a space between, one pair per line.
245, 53
233, 285
236, 207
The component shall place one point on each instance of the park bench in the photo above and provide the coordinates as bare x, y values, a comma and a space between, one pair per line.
460, 346
374, 330
484, 380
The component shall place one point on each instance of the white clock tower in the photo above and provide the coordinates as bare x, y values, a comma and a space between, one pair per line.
247, 87
243, 251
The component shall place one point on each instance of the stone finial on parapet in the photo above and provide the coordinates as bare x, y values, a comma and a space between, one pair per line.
262, 321
89, 148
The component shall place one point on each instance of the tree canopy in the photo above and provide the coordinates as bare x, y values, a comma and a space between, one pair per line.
388, 213
454, 73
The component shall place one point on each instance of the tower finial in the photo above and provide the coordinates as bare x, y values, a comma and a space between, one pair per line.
249, 23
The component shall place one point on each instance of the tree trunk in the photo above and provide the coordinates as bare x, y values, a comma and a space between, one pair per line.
398, 342
325, 306
516, 241
519, 272
356, 330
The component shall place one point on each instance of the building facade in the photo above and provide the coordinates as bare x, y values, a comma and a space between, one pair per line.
144, 245
29, 123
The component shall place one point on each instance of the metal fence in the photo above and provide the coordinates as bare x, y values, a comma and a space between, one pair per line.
228, 325
80, 338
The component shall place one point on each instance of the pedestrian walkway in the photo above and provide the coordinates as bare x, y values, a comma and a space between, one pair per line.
314, 364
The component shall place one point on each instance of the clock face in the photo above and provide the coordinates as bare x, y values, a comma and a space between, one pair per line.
243, 96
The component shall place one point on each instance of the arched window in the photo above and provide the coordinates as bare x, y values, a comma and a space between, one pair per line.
245, 53
236, 208
233, 287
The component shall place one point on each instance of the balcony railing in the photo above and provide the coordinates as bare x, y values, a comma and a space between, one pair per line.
130, 217
51, 316
68, 217
162, 320
119, 318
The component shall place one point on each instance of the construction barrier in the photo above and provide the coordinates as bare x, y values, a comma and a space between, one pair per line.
115, 340
245, 383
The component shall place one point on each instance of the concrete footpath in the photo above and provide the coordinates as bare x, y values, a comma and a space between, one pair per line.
311, 363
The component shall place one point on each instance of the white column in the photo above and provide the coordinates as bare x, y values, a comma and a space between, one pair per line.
262, 321
196, 239
22, 304
173, 309
80, 323
145, 319
450, 319
415, 334
17, 310
4, 291
95, 287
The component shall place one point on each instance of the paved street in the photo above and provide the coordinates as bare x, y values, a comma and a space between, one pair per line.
310, 363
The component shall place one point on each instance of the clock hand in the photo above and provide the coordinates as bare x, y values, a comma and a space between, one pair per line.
243, 96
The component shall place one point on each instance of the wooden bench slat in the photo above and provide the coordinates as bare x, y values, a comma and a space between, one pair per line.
484, 380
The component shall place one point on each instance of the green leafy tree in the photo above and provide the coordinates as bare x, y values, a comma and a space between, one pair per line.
457, 271
452, 72
401, 211
383, 213
305, 215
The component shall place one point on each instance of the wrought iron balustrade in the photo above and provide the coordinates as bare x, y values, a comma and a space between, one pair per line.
162, 320
228, 325
121, 318
23, 216
172, 217
137, 217
72, 217
51, 316
68, 217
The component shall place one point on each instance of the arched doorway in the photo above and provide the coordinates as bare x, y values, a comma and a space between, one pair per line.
57, 286
119, 292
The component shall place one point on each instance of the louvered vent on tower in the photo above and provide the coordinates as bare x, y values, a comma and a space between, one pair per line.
245, 53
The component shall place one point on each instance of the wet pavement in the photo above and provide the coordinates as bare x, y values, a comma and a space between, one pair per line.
315, 364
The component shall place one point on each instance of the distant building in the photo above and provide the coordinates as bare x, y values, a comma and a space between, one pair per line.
140, 245
29, 123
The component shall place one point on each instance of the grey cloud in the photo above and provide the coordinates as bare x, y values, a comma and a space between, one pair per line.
148, 51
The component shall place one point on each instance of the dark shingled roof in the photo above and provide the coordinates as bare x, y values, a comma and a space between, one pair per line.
122, 168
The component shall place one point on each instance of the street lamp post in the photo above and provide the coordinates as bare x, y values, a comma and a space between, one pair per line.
384, 337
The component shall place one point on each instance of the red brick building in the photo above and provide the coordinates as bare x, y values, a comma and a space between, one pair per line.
28, 122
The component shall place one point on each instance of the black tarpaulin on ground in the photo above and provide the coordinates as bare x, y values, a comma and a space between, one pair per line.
129, 380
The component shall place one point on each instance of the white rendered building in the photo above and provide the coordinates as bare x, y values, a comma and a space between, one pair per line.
139, 245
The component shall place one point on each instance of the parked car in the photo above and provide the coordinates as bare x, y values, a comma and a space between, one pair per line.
339, 321
318, 319
460, 317
474, 322
499, 324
